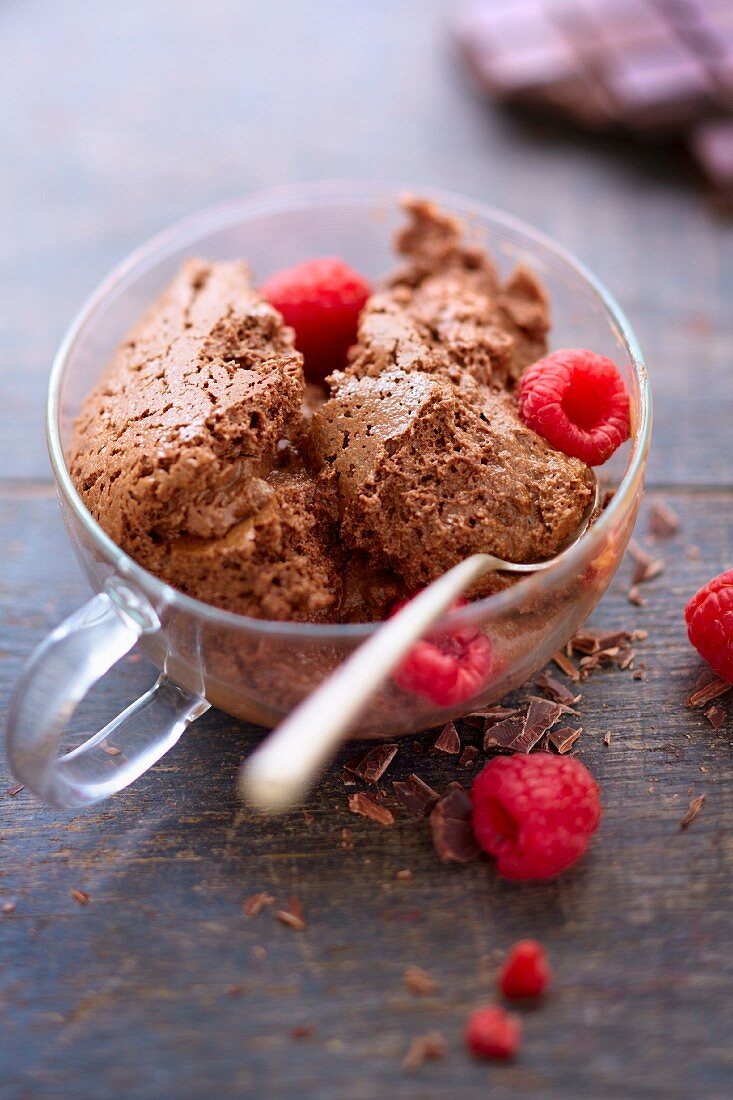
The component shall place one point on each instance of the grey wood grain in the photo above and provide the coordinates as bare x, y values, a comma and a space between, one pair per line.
131, 994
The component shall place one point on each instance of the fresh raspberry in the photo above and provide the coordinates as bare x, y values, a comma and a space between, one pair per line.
493, 1033
322, 300
535, 814
525, 972
446, 668
709, 618
578, 402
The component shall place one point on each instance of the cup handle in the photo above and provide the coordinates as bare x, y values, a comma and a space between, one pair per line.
59, 674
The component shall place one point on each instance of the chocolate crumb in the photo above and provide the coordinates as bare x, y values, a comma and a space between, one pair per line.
482, 719
716, 716
635, 597
371, 765
566, 665
81, 896
111, 750
557, 691
419, 982
430, 1047
236, 990
346, 841
364, 805
450, 823
9, 907
504, 734
302, 1031
663, 520
692, 811
259, 951
706, 693
404, 875
415, 795
607, 738
449, 741
541, 716
16, 789
308, 817
646, 568
292, 916
468, 756
640, 674
693, 553
255, 903
564, 739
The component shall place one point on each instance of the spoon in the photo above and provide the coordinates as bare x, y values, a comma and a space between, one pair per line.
279, 773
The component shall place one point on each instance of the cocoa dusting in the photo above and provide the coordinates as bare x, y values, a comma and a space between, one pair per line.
450, 823
363, 804
415, 795
448, 741
692, 811
372, 765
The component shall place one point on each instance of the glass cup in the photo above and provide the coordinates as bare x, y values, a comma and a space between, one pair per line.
259, 670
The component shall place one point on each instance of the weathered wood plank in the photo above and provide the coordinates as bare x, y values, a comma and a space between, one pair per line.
132, 994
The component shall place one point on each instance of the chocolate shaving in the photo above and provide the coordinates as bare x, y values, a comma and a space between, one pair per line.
541, 716
81, 896
450, 822
372, 765
255, 903
419, 982
415, 795
566, 665
663, 520
430, 1047
111, 750
692, 811
645, 566
363, 804
468, 756
292, 916
635, 597
482, 719
716, 716
16, 789
607, 738
564, 739
557, 691
504, 734
712, 690
449, 741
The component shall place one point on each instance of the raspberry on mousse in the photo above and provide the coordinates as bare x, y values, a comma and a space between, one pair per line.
578, 402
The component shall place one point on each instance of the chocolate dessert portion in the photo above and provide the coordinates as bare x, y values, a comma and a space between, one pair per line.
205, 456
175, 451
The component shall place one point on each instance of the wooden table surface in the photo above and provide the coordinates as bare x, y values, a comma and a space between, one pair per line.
116, 120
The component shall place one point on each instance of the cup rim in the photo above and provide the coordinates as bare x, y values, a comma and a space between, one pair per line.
288, 197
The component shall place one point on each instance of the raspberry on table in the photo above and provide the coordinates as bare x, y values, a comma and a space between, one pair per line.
321, 299
709, 618
447, 668
578, 402
525, 972
535, 814
493, 1033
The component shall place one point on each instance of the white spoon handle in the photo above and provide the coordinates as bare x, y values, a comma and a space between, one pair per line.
277, 775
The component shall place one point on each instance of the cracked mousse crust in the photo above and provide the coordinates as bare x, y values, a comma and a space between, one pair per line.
202, 454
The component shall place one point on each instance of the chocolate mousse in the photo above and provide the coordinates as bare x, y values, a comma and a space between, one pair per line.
203, 454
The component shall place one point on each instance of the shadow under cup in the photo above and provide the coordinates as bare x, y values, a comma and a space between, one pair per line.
259, 670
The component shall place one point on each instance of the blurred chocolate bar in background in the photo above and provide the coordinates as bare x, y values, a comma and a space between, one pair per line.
656, 69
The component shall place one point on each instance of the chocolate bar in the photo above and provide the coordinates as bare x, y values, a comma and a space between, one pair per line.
652, 68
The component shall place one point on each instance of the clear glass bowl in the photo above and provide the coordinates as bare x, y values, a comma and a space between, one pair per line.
259, 670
